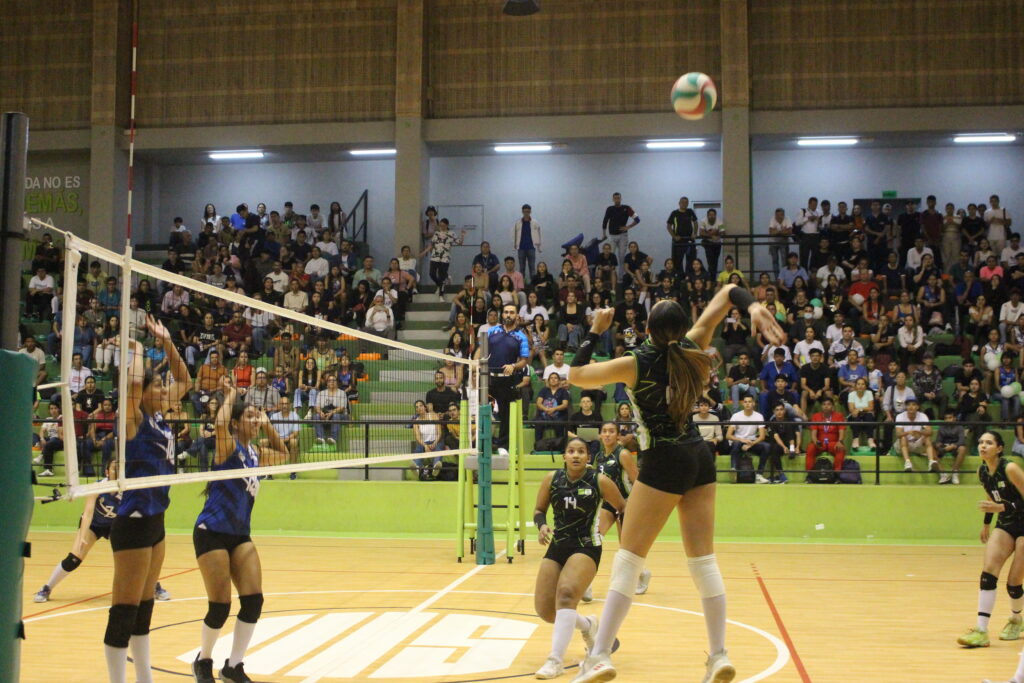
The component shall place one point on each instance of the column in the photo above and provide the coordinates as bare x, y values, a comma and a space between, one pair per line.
735, 93
412, 163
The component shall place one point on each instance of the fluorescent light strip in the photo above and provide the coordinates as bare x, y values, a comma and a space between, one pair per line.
675, 144
827, 142
238, 154
968, 138
533, 147
371, 152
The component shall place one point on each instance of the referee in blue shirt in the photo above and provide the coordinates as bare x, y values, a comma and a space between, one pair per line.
509, 350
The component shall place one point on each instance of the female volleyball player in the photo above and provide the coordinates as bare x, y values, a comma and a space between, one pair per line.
137, 533
224, 549
665, 375
618, 464
576, 492
1004, 483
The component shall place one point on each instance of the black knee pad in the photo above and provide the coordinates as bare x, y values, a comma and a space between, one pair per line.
143, 616
988, 582
70, 563
252, 607
120, 621
217, 613
1016, 592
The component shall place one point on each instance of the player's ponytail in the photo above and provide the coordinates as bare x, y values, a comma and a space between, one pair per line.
688, 369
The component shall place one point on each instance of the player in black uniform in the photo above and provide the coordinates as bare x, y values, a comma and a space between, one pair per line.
665, 376
576, 493
1003, 482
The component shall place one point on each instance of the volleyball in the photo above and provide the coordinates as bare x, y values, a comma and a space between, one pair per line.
991, 361
694, 95
857, 299
1008, 391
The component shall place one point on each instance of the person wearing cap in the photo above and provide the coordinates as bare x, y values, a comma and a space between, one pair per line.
779, 367
261, 394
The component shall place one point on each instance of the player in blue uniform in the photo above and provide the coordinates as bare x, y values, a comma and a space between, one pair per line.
576, 493
137, 533
224, 549
664, 377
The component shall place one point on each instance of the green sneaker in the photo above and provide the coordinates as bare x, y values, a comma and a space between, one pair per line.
974, 637
1012, 629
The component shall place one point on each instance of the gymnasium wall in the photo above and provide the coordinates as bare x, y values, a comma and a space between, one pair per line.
804, 54
574, 57
264, 61
957, 174
46, 68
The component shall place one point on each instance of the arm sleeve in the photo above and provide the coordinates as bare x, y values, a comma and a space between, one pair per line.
524, 345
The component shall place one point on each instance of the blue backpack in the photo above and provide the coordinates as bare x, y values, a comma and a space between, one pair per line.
850, 473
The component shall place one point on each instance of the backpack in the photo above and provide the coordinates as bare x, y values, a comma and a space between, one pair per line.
744, 469
850, 474
822, 472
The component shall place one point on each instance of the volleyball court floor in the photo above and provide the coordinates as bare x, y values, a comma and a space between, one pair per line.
404, 610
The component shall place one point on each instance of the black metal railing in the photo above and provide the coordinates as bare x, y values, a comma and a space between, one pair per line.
354, 226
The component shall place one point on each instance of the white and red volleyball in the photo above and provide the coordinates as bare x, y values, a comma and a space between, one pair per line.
694, 95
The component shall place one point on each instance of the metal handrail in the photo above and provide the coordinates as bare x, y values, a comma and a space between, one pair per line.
357, 231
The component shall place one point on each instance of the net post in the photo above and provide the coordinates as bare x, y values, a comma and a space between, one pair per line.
72, 259
122, 375
484, 512
515, 416
521, 477
13, 162
460, 498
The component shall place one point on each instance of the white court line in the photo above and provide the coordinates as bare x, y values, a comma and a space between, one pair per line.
384, 625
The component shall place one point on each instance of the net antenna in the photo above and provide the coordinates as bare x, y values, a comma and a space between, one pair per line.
380, 433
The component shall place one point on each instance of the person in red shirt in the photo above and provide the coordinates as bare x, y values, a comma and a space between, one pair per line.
242, 373
862, 286
826, 438
237, 334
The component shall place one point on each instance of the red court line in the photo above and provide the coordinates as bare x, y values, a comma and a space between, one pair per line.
101, 595
782, 627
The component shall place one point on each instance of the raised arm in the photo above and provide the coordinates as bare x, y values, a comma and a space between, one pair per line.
179, 370
222, 423
135, 379
760, 318
277, 452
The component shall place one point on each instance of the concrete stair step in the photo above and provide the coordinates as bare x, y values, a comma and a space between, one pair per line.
407, 397
419, 376
425, 324
423, 335
415, 315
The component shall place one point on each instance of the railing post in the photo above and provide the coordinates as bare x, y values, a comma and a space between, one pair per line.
366, 450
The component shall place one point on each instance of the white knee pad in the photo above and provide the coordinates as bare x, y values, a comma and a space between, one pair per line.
625, 572
706, 576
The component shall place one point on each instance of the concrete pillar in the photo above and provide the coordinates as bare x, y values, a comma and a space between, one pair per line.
735, 91
412, 163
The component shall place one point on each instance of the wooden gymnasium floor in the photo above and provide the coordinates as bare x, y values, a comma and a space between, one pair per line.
390, 610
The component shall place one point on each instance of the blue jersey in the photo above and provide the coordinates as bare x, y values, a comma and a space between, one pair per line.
229, 502
105, 510
149, 454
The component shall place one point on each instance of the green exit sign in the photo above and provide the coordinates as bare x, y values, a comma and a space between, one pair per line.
889, 194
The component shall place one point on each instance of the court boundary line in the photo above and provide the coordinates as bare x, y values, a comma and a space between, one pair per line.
97, 597
797, 662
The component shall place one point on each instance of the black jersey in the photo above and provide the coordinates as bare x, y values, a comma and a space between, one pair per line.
1001, 490
610, 465
650, 397
576, 504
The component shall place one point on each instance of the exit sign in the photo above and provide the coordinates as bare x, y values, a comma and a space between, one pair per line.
889, 194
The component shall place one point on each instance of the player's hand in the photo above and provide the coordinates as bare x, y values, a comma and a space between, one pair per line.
157, 329
602, 320
762, 320
508, 369
989, 506
544, 534
984, 534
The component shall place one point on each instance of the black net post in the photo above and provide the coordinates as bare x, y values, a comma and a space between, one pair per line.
13, 162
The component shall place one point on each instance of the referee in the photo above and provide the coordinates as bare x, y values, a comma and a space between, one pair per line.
509, 349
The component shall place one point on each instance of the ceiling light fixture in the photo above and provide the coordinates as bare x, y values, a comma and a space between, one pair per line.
371, 152
675, 144
514, 148
977, 138
237, 154
827, 142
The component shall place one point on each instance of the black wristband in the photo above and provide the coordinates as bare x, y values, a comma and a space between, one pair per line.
988, 518
540, 519
585, 350
741, 298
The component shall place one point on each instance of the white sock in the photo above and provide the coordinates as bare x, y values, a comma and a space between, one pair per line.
1019, 676
208, 640
57, 576
582, 623
1016, 604
714, 622
140, 657
986, 601
616, 607
240, 643
117, 663
565, 620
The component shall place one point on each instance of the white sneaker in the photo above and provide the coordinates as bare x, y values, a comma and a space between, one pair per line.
719, 668
956, 478
933, 466
945, 478
589, 633
907, 467
595, 669
503, 451
760, 479
38, 460
319, 442
588, 595
643, 582
46, 473
331, 441
552, 669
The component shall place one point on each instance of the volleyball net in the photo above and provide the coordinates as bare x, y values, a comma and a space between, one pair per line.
338, 396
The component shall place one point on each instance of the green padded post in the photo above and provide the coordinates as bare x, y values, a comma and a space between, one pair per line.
460, 498
18, 370
514, 445
484, 512
524, 506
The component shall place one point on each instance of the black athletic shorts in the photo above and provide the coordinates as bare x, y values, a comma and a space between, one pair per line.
205, 540
562, 553
607, 506
100, 531
131, 533
1015, 530
678, 467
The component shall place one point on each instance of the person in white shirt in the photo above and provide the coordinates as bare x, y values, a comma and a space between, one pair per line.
747, 435
261, 394
808, 221
911, 342
286, 423
1009, 313
998, 221
914, 435
327, 245
259, 321
708, 425
40, 292
1008, 256
834, 332
916, 253
558, 366
279, 278
831, 268
780, 229
79, 374
768, 353
802, 349
296, 299
379, 319
315, 219
317, 267
331, 406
